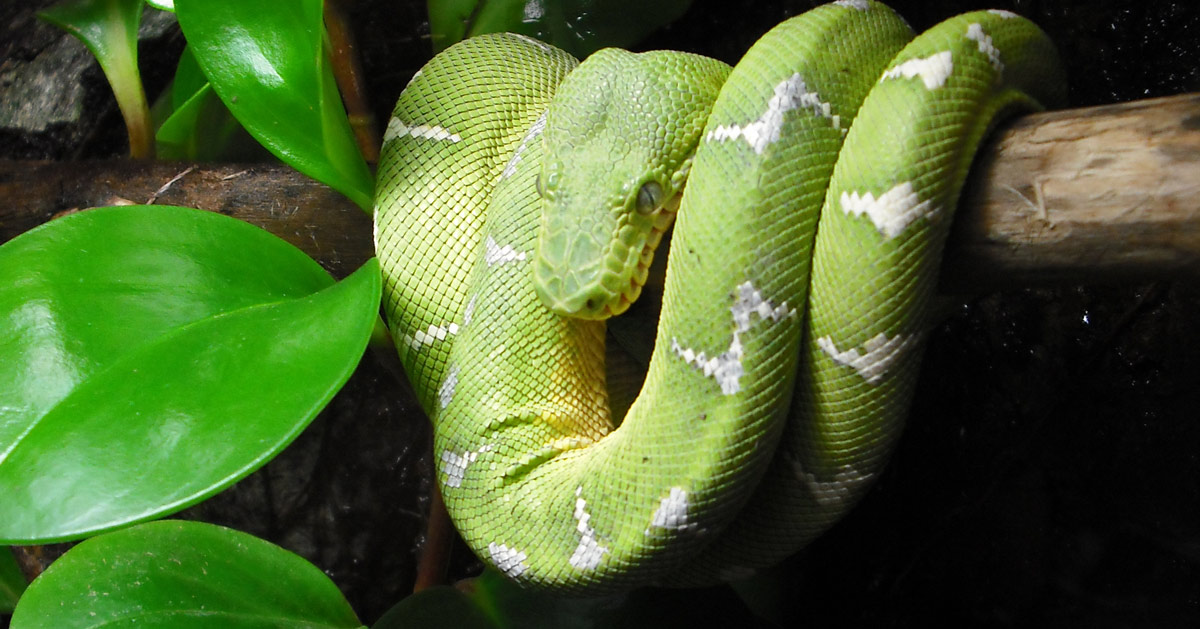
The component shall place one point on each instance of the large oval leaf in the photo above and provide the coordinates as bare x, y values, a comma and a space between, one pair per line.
181, 575
267, 62
153, 356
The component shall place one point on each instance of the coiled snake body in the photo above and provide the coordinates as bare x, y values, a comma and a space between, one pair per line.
519, 202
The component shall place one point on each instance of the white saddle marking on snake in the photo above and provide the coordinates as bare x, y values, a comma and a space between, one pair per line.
446, 392
672, 511
469, 311
430, 335
933, 70
588, 553
878, 355
534, 10
535, 130
1008, 15
891, 211
791, 93
510, 561
397, 128
834, 491
976, 32
726, 368
454, 465
861, 5
495, 254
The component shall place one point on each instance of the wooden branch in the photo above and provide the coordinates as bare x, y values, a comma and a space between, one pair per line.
1085, 196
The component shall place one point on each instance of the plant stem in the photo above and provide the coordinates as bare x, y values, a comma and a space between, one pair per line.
120, 66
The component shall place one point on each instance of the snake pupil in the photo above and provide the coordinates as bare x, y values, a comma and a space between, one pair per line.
649, 197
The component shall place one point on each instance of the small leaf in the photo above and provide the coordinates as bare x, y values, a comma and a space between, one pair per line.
189, 79
155, 355
580, 27
12, 581
267, 62
441, 606
176, 574
109, 30
203, 130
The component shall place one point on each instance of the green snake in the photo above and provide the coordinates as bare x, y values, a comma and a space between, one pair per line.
519, 203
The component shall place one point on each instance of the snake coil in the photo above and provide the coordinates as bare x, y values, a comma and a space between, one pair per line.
821, 174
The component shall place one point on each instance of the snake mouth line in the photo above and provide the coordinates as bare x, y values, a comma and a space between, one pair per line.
637, 280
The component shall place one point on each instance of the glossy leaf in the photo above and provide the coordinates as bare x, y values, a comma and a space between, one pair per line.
183, 575
203, 130
580, 27
109, 30
12, 582
165, 5
267, 62
189, 79
155, 355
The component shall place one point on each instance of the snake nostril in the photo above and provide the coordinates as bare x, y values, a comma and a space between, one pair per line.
590, 304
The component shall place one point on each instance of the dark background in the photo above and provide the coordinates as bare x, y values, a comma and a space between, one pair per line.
1050, 472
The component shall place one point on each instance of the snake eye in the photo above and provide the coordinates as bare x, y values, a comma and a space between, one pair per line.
649, 197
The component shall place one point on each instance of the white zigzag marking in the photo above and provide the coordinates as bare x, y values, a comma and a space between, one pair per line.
832, 492
510, 561
792, 93
446, 391
534, 131
533, 11
672, 511
879, 354
588, 553
892, 211
469, 311
861, 5
975, 32
726, 368
933, 70
496, 254
454, 465
431, 334
397, 128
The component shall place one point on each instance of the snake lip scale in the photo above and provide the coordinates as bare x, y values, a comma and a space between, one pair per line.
517, 185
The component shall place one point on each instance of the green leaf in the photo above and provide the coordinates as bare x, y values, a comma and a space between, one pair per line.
164, 5
109, 29
441, 606
203, 130
12, 581
580, 27
155, 355
189, 79
267, 62
183, 575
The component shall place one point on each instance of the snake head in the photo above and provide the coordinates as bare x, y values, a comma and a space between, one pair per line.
619, 140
